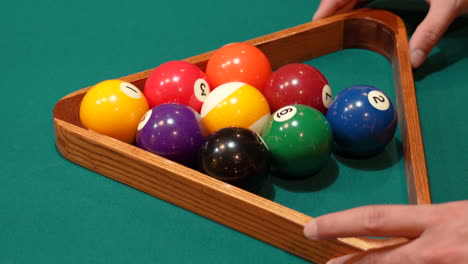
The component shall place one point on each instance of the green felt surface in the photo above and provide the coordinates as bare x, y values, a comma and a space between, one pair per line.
54, 211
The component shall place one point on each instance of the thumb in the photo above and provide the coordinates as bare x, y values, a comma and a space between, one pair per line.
430, 31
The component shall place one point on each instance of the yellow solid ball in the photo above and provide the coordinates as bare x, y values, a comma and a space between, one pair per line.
114, 108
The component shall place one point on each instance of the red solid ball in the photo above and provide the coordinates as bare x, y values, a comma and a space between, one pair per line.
177, 82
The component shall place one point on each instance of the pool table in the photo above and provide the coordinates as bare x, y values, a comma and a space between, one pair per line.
55, 211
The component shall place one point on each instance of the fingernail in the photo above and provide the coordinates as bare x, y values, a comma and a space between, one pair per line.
310, 230
417, 58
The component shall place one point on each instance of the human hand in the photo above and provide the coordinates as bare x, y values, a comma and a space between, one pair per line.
441, 14
439, 232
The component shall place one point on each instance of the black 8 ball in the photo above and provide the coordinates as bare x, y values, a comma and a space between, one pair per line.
237, 156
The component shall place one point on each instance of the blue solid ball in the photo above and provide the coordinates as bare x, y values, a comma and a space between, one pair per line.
363, 121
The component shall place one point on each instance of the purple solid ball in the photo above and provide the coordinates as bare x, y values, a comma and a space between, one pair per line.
173, 131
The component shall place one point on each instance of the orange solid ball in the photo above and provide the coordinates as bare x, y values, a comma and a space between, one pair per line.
239, 62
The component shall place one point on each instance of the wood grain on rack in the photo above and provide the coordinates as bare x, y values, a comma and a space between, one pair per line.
378, 31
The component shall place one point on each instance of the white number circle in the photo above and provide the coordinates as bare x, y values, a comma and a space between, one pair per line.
130, 90
285, 113
327, 96
378, 100
201, 89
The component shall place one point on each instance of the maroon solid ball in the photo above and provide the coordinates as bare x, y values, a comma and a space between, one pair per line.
298, 83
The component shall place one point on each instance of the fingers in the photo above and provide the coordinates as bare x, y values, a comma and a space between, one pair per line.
441, 14
438, 230
431, 29
385, 220
332, 7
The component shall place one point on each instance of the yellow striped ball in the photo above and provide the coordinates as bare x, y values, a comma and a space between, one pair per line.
235, 104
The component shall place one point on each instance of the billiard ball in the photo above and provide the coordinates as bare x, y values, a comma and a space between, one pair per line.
363, 120
238, 62
113, 108
300, 141
172, 131
298, 83
235, 104
237, 156
177, 82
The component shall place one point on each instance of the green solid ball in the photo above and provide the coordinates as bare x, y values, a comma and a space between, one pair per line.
300, 141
